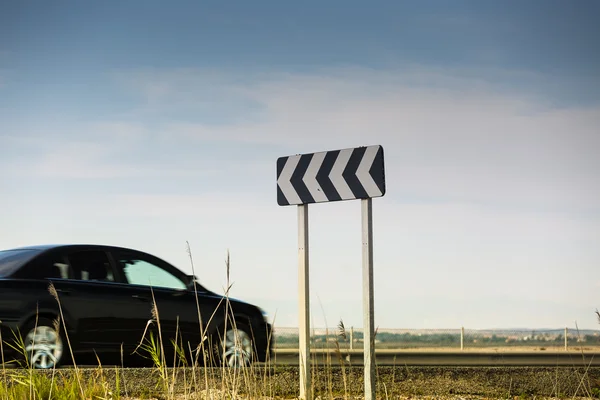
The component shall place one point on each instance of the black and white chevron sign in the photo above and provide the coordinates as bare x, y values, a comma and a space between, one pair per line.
348, 174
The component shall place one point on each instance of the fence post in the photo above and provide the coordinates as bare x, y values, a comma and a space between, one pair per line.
462, 337
351, 337
566, 338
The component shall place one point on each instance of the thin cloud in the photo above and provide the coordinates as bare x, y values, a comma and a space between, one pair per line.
214, 206
97, 151
446, 136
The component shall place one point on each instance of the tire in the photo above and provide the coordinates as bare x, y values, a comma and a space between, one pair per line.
236, 344
45, 348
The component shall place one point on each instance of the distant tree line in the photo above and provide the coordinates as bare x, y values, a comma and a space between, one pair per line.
406, 339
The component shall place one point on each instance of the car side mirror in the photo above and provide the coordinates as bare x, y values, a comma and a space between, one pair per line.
191, 279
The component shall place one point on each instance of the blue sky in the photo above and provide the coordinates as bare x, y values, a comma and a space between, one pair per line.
147, 124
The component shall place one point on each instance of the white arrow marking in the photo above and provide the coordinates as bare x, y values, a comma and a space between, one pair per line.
284, 180
363, 174
336, 175
310, 177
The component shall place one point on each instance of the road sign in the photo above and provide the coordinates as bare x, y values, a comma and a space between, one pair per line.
348, 174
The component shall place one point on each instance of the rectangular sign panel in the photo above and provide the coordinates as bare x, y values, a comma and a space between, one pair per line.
348, 174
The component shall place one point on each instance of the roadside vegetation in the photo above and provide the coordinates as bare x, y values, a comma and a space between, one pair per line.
200, 373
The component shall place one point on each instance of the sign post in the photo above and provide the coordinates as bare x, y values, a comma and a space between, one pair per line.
303, 302
348, 174
368, 298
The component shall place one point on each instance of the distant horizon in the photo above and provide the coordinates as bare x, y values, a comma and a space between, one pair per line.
395, 329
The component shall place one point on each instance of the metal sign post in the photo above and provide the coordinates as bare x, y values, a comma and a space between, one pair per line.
368, 298
303, 303
348, 174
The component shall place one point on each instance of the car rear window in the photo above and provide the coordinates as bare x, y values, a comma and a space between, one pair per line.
12, 260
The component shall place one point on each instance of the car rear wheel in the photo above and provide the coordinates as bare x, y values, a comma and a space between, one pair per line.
236, 347
43, 344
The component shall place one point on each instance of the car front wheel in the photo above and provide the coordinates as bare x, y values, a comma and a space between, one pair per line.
43, 344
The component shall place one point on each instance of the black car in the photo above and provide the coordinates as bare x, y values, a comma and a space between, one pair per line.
115, 302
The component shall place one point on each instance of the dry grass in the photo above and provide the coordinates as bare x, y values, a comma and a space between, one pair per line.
189, 363
197, 374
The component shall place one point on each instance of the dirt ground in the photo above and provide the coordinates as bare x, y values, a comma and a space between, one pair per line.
392, 383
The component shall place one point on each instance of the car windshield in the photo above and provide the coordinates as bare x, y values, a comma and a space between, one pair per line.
12, 260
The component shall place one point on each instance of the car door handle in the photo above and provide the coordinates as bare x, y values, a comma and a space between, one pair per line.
139, 297
63, 291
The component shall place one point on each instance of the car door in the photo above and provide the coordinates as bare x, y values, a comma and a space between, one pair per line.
91, 299
151, 279
31, 292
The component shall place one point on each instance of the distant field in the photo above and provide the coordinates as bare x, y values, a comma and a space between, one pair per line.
523, 348
485, 349
448, 339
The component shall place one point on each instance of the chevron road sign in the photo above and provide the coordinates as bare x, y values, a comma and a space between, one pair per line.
348, 174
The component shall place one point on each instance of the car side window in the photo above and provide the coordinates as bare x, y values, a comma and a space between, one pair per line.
140, 271
91, 265
51, 265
